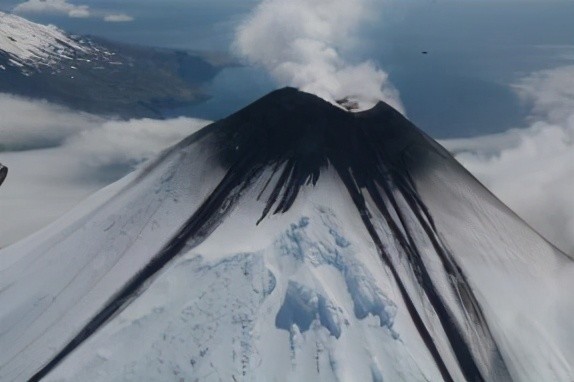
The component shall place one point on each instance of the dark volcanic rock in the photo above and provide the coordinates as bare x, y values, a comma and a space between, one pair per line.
3, 173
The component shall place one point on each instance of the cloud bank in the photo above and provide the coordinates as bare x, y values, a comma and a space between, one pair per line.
118, 18
27, 125
53, 6
305, 44
532, 169
62, 7
58, 157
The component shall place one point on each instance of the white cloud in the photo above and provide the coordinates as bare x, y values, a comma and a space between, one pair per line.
127, 143
532, 169
29, 124
551, 92
304, 43
57, 157
118, 18
71, 10
53, 6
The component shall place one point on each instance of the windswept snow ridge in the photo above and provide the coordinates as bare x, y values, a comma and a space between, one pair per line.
291, 241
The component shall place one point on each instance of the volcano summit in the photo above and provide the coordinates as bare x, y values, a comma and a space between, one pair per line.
292, 240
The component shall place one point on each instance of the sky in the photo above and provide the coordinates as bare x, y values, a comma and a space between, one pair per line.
188, 24
476, 50
493, 86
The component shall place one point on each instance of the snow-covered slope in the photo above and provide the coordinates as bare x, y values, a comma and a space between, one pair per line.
290, 241
99, 76
35, 46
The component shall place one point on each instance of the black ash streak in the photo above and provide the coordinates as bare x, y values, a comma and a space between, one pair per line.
367, 150
296, 136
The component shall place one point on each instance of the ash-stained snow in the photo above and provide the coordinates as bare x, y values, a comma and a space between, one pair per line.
522, 281
283, 312
434, 279
82, 259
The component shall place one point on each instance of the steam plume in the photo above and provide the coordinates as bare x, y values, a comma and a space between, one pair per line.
303, 43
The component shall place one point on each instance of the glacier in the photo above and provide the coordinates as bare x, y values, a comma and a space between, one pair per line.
290, 241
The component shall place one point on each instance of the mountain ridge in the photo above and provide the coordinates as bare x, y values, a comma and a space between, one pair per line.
100, 76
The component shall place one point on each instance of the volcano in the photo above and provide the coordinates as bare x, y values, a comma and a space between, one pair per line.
292, 240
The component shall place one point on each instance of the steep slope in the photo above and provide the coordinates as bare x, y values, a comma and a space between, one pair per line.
32, 46
290, 241
98, 76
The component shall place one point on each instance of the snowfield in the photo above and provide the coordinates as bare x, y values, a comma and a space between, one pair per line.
422, 275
